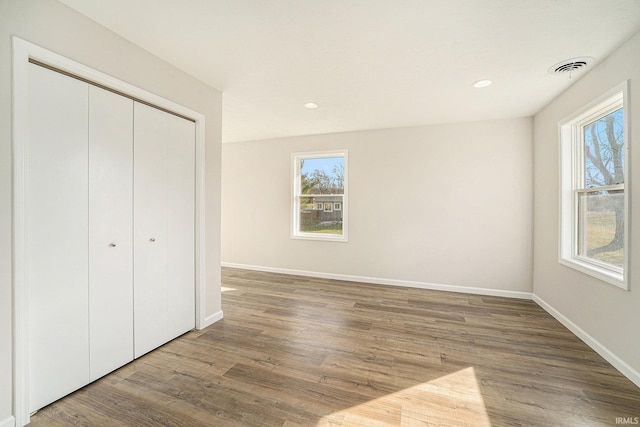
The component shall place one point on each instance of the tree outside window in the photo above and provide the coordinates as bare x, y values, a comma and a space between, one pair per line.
601, 209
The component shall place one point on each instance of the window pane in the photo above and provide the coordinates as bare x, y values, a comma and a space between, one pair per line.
318, 216
324, 175
601, 226
604, 151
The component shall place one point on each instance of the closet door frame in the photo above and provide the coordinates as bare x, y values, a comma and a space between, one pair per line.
23, 53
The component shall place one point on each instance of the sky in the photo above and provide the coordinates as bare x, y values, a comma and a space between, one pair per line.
327, 164
593, 176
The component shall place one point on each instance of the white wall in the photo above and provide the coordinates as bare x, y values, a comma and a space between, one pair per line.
60, 29
604, 313
449, 204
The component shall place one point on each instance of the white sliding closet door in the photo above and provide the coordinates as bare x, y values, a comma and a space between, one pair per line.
57, 236
110, 231
164, 170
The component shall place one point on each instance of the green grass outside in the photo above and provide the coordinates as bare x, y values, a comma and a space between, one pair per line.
601, 229
331, 229
324, 231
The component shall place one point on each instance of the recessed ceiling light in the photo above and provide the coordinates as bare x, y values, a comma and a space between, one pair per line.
311, 105
482, 83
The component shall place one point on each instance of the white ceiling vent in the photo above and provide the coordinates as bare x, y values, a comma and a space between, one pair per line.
570, 66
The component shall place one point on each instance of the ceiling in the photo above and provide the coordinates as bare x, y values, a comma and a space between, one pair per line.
370, 64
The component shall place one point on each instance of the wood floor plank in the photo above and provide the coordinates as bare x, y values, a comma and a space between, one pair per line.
298, 351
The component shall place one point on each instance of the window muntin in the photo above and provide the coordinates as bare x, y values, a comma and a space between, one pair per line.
594, 205
319, 195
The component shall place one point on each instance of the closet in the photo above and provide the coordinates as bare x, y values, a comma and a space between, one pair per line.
110, 231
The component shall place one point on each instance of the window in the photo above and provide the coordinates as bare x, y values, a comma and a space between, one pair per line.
594, 202
320, 196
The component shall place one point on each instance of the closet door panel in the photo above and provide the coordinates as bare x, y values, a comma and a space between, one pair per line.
181, 225
150, 228
57, 236
110, 231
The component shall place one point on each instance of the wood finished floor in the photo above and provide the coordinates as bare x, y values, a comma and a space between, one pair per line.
297, 351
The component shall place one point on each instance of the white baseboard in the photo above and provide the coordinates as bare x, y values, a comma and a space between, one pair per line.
379, 281
607, 354
210, 320
9, 422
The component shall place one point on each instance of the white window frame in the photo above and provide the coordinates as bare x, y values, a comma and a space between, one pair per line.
337, 206
295, 199
571, 159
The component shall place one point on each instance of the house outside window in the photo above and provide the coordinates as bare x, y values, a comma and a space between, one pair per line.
320, 196
594, 189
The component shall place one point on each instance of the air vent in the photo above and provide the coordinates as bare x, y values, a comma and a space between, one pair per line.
570, 66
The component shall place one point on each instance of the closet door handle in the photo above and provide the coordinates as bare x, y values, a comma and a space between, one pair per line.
112, 245
153, 239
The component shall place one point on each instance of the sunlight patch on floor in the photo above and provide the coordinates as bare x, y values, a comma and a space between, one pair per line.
451, 400
226, 289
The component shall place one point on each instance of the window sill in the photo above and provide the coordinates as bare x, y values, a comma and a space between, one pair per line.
320, 237
613, 278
